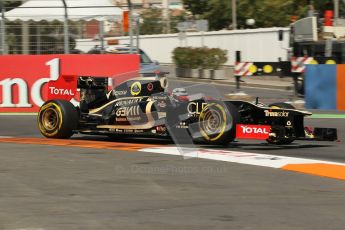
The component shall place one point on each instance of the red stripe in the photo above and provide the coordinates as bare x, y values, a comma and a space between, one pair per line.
245, 73
294, 67
299, 60
243, 66
304, 59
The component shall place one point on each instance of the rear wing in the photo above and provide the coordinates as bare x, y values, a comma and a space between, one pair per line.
68, 69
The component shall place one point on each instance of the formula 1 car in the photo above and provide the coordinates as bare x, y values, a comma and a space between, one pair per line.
142, 106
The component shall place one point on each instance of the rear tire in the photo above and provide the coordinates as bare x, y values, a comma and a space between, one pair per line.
58, 119
217, 123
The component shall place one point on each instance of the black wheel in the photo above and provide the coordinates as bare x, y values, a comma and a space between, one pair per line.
57, 119
286, 140
217, 123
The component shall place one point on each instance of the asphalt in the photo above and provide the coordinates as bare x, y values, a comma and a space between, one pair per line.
54, 187
44, 187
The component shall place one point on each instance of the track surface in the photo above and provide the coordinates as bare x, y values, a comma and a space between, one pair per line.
25, 126
64, 187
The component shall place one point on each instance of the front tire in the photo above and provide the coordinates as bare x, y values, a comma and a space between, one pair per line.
57, 119
217, 123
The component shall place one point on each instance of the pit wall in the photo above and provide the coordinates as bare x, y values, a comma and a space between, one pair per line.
261, 45
325, 87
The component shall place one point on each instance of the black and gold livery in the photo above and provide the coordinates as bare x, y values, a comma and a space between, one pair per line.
144, 106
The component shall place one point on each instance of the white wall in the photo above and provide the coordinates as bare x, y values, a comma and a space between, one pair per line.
254, 44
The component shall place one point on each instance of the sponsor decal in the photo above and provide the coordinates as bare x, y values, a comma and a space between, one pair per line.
155, 97
134, 119
150, 87
182, 125
24, 78
116, 130
161, 129
136, 88
195, 108
259, 132
131, 111
56, 91
127, 102
121, 119
64, 88
269, 113
162, 104
120, 92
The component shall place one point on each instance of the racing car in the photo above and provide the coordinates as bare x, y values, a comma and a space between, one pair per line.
144, 107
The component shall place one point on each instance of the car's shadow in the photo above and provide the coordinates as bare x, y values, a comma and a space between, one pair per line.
126, 139
237, 145
271, 147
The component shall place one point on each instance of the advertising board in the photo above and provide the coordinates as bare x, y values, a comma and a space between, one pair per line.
24, 78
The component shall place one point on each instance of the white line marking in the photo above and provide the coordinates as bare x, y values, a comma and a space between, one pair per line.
18, 114
5, 137
236, 157
28, 229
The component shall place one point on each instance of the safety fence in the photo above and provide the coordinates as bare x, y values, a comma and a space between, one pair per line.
48, 38
50, 27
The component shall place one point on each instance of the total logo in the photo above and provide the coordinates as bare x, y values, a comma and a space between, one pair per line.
256, 130
56, 91
259, 132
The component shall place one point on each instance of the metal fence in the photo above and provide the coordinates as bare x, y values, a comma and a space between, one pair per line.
49, 36
46, 27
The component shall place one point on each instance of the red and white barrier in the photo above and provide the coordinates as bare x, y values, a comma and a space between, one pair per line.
298, 64
243, 69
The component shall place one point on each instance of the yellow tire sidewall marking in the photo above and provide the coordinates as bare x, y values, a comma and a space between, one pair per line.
203, 133
58, 109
